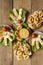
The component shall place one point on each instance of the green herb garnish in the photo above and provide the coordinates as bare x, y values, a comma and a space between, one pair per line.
41, 38
14, 37
18, 9
25, 25
2, 42
10, 19
11, 12
23, 14
41, 46
9, 43
34, 47
23, 41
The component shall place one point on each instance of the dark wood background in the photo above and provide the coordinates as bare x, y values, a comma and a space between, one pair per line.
6, 52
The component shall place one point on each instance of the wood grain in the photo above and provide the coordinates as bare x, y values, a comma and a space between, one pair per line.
36, 5
5, 52
25, 4
6, 6
0, 11
37, 58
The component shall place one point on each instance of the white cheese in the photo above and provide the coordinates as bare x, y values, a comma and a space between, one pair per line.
20, 14
5, 41
15, 12
33, 42
37, 44
10, 39
30, 53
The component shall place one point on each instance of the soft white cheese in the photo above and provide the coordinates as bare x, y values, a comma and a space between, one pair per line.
15, 12
5, 40
37, 44
20, 14
33, 42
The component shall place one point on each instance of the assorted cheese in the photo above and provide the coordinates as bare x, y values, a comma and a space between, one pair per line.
22, 33
22, 49
37, 42
17, 14
6, 35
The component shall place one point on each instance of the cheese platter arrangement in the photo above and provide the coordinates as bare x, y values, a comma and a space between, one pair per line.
25, 32
24, 35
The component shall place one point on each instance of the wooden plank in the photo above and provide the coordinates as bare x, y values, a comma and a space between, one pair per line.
37, 5
37, 58
0, 12
5, 52
5, 8
25, 4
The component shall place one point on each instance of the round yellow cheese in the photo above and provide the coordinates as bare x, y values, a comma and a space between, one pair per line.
23, 33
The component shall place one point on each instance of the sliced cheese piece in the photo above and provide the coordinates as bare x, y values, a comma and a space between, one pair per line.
33, 41
37, 44
20, 14
15, 12
12, 17
10, 39
5, 41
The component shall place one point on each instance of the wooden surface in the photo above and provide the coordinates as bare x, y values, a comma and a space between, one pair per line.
6, 52
25, 4
37, 58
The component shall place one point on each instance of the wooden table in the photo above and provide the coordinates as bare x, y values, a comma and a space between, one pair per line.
6, 52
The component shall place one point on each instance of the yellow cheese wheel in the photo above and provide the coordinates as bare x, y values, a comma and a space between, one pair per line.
23, 33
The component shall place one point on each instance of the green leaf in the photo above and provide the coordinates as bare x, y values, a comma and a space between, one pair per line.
23, 14
41, 47
25, 25
41, 38
14, 37
10, 19
23, 41
2, 43
11, 12
9, 43
18, 9
1, 26
34, 48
